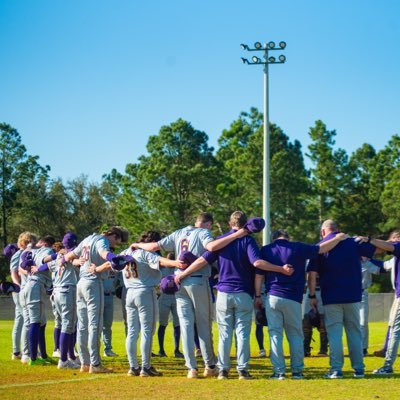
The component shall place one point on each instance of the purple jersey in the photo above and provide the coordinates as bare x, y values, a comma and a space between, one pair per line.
282, 252
236, 270
340, 270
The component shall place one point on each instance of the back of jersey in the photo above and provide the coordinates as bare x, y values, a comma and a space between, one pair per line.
190, 239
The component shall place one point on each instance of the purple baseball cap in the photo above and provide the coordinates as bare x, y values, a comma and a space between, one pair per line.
70, 240
8, 287
187, 257
168, 285
255, 225
10, 250
314, 318
26, 260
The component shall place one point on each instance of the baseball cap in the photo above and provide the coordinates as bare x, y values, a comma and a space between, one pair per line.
10, 250
168, 285
255, 225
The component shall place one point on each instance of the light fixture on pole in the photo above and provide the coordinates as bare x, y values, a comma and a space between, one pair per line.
270, 46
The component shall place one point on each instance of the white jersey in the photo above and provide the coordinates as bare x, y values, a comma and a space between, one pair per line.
190, 239
90, 249
144, 272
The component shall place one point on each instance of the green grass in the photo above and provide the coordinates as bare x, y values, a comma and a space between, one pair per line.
23, 382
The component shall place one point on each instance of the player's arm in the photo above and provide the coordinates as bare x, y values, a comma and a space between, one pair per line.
50, 257
15, 278
93, 269
220, 243
267, 266
311, 283
166, 262
195, 266
330, 244
69, 257
378, 243
152, 246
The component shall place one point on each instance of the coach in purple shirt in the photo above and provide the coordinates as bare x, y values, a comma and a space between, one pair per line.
341, 289
284, 298
235, 293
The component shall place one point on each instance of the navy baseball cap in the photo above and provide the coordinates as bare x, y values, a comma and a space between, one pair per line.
10, 250
168, 285
255, 225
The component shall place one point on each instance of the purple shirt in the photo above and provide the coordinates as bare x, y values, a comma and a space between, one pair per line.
236, 269
282, 252
396, 253
340, 270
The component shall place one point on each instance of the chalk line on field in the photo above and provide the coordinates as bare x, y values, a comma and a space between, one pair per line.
53, 382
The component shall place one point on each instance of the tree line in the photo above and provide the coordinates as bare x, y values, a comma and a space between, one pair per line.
181, 175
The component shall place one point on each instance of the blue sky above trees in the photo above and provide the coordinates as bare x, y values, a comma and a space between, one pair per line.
87, 82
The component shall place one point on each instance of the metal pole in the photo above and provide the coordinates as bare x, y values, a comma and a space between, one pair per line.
266, 158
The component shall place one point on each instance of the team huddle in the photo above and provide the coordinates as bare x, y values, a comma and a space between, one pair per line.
270, 280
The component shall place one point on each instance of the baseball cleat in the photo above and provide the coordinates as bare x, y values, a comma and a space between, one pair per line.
244, 374
192, 374
334, 375
16, 357
210, 372
383, 371
161, 354
298, 375
178, 354
67, 365
85, 368
223, 374
358, 373
380, 353
134, 371
198, 353
25, 359
110, 353
262, 353
38, 361
50, 360
146, 372
56, 353
99, 369
278, 376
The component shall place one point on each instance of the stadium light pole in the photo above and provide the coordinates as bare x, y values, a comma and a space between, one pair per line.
270, 46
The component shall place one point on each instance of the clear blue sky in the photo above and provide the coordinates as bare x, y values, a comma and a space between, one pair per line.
86, 82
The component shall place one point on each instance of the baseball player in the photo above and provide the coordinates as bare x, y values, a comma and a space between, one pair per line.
26, 241
340, 281
368, 267
108, 314
392, 246
13, 252
167, 306
308, 325
95, 249
57, 247
193, 300
64, 292
35, 297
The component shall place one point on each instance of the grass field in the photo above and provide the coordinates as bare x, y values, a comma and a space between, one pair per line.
23, 382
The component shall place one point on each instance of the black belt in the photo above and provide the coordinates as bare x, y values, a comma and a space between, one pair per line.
195, 276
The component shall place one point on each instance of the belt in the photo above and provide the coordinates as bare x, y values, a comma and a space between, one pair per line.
62, 287
195, 276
